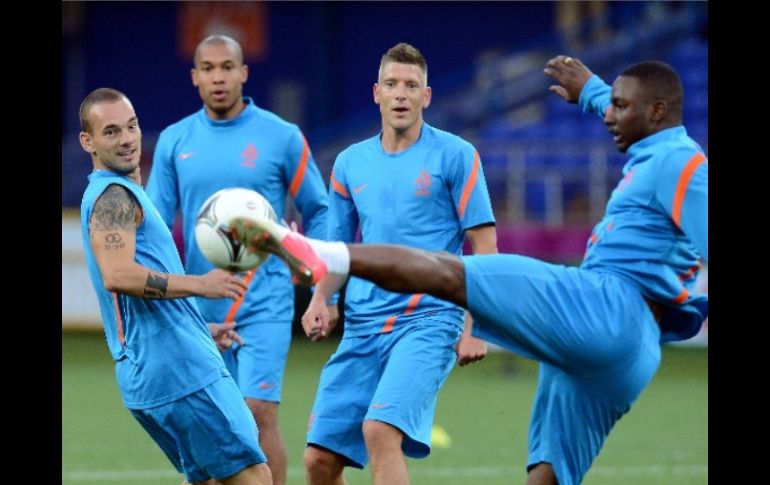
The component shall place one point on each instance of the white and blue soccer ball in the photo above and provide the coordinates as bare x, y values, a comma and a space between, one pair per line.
216, 238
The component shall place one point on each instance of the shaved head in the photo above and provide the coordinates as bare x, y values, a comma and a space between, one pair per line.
97, 96
234, 46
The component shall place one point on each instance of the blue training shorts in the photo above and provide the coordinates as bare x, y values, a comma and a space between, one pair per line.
594, 335
258, 365
207, 434
390, 377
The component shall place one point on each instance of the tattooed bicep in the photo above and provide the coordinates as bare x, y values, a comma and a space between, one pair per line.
116, 208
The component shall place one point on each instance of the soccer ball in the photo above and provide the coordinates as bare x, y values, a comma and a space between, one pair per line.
214, 235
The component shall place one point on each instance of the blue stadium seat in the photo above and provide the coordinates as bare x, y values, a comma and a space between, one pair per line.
564, 127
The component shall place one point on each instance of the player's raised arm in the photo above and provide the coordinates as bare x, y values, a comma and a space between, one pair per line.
570, 73
112, 227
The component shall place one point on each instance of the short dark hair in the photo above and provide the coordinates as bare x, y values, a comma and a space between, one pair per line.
659, 81
97, 96
405, 54
221, 40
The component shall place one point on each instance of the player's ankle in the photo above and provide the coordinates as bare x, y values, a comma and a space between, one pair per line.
335, 254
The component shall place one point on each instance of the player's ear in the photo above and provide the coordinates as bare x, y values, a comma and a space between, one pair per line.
194, 76
659, 110
376, 93
86, 142
245, 73
427, 97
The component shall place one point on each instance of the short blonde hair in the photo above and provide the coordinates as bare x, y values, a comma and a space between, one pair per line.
405, 54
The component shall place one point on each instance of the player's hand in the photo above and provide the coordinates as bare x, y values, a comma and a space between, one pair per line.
224, 335
219, 283
315, 321
470, 349
570, 73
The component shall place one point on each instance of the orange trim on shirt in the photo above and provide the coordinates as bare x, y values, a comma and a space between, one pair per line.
389, 324
338, 187
410, 306
682, 184
237, 303
299, 175
682, 296
413, 302
690, 272
118, 319
469, 185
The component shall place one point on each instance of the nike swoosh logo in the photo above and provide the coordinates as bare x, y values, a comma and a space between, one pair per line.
182, 156
359, 188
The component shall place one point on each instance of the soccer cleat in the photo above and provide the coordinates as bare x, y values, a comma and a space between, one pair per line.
261, 234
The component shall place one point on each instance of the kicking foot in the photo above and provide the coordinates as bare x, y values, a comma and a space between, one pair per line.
268, 236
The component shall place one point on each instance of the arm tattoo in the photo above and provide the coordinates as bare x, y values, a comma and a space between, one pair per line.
115, 209
113, 242
156, 286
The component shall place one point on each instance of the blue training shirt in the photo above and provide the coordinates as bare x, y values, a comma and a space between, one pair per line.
257, 150
425, 196
655, 228
162, 349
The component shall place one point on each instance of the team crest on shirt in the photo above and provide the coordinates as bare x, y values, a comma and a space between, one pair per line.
423, 184
249, 156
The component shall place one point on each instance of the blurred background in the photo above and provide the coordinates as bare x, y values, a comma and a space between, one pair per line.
550, 170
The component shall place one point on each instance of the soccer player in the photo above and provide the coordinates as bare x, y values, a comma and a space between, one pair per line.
410, 184
596, 329
230, 142
169, 372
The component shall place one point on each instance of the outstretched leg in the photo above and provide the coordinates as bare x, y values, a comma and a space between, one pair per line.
406, 270
395, 268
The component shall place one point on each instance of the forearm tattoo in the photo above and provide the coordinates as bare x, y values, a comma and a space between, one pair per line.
156, 286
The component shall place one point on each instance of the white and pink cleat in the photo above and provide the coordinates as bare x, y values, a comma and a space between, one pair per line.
260, 234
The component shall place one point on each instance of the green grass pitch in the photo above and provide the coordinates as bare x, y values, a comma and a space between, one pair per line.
484, 408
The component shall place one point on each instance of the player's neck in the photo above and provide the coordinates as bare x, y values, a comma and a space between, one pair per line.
231, 113
394, 141
136, 176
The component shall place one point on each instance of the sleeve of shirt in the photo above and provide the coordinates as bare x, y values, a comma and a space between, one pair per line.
162, 186
682, 189
343, 217
595, 97
468, 187
306, 186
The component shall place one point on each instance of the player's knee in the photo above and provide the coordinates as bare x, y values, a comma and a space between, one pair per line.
542, 474
254, 474
322, 465
378, 434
